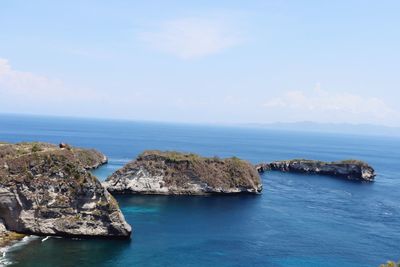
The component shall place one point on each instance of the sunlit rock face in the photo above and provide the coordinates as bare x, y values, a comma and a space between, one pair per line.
174, 173
47, 190
349, 169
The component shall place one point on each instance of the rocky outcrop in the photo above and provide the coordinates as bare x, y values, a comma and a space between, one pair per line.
46, 190
350, 169
88, 158
173, 173
8, 237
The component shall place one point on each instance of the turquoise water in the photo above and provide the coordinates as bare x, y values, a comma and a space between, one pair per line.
298, 220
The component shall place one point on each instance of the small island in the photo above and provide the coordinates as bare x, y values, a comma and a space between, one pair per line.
46, 190
175, 173
349, 169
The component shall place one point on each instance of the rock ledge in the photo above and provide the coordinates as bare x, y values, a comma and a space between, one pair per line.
350, 169
174, 173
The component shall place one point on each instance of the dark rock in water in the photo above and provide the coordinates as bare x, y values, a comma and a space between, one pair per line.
350, 169
46, 190
174, 173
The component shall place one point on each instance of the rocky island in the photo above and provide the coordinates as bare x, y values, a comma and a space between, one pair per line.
47, 190
350, 169
174, 173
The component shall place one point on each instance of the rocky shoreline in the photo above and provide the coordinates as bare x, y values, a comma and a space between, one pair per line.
349, 169
174, 173
8, 237
47, 190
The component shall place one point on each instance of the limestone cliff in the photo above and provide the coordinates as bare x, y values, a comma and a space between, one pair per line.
7, 237
174, 173
46, 190
350, 169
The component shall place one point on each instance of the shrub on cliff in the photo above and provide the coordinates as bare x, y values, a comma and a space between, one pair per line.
171, 172
390, 264
36, 148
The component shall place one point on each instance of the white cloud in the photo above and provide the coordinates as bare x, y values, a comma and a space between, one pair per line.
4, 67
24, 87
14, 82
323, 105
26, 92
30, 93
189, 38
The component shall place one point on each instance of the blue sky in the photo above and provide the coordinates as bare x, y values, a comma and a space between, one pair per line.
204, 61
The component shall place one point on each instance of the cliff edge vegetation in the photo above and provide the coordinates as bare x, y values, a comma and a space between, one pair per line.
350, 169
176, 173
46, 190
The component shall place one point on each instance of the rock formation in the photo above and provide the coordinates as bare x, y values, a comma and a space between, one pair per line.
46, 190
174, 173
8, 237
89, 158
350, 169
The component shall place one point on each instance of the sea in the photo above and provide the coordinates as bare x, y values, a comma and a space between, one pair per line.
297, 221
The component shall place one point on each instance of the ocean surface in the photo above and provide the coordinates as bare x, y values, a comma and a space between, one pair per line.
298, 220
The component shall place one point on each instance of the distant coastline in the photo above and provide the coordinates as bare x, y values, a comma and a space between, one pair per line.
300, 126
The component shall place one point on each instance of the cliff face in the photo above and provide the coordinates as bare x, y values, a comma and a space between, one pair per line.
89, 158
350, 169
8, 237
173, 173
46, 190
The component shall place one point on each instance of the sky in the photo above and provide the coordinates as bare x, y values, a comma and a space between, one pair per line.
221, 61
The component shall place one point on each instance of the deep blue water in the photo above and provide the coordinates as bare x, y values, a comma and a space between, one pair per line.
299, 220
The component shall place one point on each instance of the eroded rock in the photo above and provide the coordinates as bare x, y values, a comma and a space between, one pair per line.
174, 173
350, 169
46, 190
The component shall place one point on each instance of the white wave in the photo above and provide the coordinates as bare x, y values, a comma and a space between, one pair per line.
44, 239
4, 261
118, 160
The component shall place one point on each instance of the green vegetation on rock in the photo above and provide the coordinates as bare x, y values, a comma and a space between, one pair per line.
6, 238
56, 193
390, 264
350, 169
171, 172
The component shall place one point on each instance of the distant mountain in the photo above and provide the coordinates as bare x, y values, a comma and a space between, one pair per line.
346, 128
